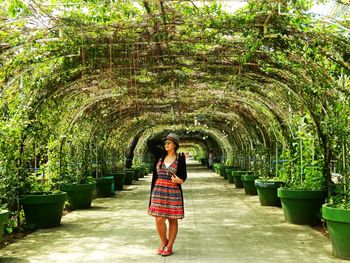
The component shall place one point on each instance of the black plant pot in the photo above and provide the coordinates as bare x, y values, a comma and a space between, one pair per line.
79, 195
267, 192
43, 210
105, 186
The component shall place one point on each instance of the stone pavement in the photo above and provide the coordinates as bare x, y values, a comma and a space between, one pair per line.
221, 224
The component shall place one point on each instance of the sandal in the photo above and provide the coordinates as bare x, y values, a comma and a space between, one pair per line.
160, 249
167, 252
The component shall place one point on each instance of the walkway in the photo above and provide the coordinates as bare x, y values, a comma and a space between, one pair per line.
222, 224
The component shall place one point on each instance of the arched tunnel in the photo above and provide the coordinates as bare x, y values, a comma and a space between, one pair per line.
265, 85
91, 92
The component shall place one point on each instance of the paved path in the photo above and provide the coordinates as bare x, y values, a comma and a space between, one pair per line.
222, 224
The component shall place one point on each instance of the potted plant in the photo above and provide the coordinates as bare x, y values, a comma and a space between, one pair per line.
104, 186
4, 214
267, 186
237, 177
79, 188
129, 176
336, 211
223, 169
149, 168
258, 164
337, 217
248, 183
119, 179
136, 171
267, 191
42, 203
306, 189
229, 173
142, 169
216, 167
302, 200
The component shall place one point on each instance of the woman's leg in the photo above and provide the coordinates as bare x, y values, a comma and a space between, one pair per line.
161, 229
173, 227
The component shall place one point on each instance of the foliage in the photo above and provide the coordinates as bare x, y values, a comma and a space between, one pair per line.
303, 166
80, 80
259, 161
313, 179
340, 197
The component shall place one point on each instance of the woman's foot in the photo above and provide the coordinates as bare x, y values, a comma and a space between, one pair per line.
161, 248
167, 251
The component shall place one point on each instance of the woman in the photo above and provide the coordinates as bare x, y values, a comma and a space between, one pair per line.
211, 159
166, 201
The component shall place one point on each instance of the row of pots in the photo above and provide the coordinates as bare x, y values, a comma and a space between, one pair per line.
44, 210
303, 207
266, 190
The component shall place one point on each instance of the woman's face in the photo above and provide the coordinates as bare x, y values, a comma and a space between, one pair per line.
169, 145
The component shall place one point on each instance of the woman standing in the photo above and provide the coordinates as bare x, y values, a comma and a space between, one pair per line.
211, 159
166, 201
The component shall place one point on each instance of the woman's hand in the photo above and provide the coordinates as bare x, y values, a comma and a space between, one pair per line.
176, 180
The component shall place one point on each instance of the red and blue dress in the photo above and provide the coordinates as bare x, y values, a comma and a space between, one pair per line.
166, 196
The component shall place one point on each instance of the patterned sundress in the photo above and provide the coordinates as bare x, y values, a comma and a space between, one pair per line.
166, 196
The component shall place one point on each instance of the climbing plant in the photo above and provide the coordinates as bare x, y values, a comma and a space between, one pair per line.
82, 82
